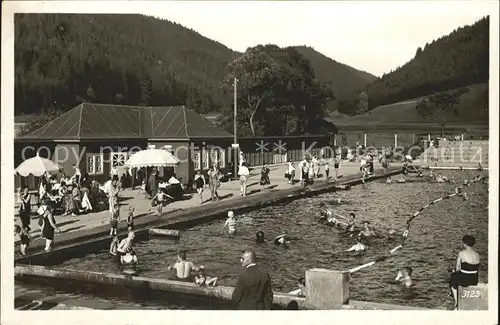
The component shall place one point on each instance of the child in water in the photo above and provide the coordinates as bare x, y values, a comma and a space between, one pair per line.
114, 246
24, 236
230, 224
203, 280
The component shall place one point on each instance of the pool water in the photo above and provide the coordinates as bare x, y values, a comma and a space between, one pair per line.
431, 248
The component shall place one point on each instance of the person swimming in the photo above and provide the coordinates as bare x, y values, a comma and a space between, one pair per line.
367, 231
388, 180
259, 237
203, 280
460, 192
282, 239
358, 247
441, 179
351, 226
404, 277
230, 224
402, 179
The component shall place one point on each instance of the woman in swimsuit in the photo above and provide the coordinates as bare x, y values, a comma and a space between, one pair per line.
199, 179
25, 209
467, 267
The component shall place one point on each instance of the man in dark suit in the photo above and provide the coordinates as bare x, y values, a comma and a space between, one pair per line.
253, 289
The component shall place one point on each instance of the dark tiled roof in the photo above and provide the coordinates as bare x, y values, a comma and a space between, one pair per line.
98, 121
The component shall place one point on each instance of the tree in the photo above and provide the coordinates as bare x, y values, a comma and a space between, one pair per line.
45, 116
440, 107
258, 77
362, 106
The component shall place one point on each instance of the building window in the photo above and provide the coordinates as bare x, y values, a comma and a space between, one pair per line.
197, 160
118, 159
222, 159
95, 164
206, 159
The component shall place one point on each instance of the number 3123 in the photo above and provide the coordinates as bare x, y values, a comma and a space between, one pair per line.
471, 294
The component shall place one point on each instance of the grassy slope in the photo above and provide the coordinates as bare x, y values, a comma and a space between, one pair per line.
404, 114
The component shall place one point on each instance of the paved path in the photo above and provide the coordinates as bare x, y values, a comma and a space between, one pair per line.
142, 204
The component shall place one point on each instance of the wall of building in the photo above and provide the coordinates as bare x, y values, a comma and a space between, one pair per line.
179, 149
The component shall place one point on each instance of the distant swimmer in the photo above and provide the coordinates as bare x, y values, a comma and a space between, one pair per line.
465, 182
402, 179
367, 231
460, 192
441, 179
282, 239
388, 180
404, 277
351, 226
230, 224
259, 237
358, 247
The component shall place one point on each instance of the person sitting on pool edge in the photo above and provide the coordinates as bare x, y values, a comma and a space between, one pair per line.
404, 277
259, 237
301, 284
466, 269
184, 268
230, 224
203, 280
358, 247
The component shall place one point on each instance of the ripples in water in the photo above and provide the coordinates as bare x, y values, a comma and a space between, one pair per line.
431, 248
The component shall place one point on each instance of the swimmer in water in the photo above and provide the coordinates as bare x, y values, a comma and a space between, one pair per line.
402, 179
388, 180
465, 182
129, 263
259, 237
203, 280
367, 231
184, 268
441, 179
358, 247
282, 239
351, 224
230, 224
404, 277
460, 192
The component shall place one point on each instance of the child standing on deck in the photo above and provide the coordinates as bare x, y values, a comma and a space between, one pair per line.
130, 219
160, 198
115, 216
24, 236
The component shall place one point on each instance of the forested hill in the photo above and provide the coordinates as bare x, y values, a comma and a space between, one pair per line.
453, 61
343, 78
62, 59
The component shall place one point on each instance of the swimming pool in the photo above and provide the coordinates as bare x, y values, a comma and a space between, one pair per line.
431, 248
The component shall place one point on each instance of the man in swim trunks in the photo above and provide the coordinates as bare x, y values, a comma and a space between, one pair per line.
125, 245
358, 247
230, 224
259, 237
184, 268
367, 231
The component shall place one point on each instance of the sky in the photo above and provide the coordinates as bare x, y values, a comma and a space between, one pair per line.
376, 37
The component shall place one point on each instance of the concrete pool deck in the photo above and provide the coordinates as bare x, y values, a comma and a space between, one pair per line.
180, 213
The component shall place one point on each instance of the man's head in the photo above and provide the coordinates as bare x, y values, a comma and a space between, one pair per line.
131, 235
366, 224
248, 257
352, 216
182, 256
259, 236
230, 214
468, 241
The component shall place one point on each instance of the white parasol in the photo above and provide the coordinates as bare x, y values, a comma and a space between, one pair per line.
152, 158
37, 166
